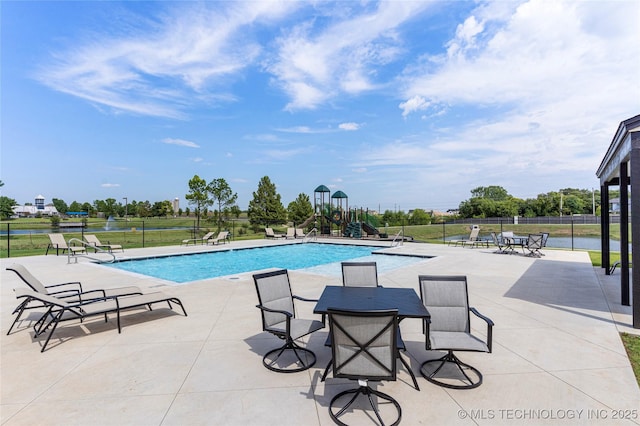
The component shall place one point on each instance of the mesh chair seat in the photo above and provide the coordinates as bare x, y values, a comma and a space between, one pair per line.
456, 341
299, 327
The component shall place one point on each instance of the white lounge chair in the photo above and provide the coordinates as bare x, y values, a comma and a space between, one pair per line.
268, 233
221, 238
59, 243
95, 242
195, 241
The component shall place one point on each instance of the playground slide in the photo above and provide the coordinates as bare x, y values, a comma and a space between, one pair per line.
307, 222
370, 230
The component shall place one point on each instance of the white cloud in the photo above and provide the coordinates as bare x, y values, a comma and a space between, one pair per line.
349, 126
540, 78
180, 142
165, 63
416, 103
315, 64
110, 185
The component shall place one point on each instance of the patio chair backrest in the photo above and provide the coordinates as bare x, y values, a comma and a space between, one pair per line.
473, 235
446, 299
545, 235
364, 344
58, 241
29, 279
494, 237
274, 292
92, 239
359, 274
534, 241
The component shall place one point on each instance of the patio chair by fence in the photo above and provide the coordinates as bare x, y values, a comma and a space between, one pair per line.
93, 241
58, 242
534, 245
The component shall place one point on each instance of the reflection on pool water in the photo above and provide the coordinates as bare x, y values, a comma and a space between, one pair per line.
316, 258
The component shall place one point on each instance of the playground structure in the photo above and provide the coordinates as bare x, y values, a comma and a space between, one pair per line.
332, 216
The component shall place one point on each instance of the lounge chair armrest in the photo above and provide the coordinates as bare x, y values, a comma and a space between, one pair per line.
73, 283
304, 299
489, 326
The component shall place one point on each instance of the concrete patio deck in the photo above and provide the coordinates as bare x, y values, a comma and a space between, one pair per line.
557, 355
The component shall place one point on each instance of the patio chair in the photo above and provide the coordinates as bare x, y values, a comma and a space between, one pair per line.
534, 244
221, 238
201, 240
473, 236
70, 291
268, 233
300, 233
291, 233
359, 274
278, 318
93, 241
58, 242
449, 329
545, 236
499, 242
59, 310
364, 349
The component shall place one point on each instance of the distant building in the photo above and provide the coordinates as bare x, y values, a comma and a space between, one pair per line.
38, 209
176, 205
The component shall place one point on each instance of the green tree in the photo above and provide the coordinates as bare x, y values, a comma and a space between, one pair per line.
143, 209
223, 198
420, 217
161, 208
60, 205
299, 209
198, 196
75, 207
493, 192
6, 207
266, 208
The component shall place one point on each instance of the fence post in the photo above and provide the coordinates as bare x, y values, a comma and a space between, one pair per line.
444, 233
143, 234
571, 233
8, 240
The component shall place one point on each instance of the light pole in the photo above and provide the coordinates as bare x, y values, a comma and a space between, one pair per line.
126, 207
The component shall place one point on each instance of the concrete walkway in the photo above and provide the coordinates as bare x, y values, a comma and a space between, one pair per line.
557, 355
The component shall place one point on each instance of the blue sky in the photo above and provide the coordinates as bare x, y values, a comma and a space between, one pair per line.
401, 105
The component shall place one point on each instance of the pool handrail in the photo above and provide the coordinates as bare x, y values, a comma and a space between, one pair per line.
308, 237
86, 245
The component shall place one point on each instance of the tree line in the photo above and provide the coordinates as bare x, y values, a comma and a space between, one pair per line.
495, 201
215, 201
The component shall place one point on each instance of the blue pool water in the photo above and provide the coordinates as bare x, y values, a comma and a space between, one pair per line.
192, 267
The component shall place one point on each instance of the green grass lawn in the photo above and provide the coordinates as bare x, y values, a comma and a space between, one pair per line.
632, 345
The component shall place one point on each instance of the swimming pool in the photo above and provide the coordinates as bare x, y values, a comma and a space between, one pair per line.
318, 258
